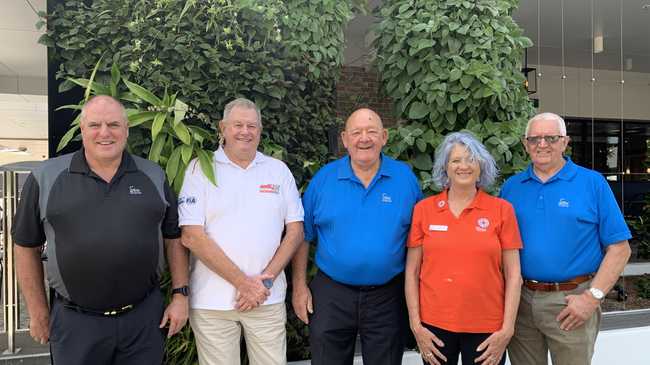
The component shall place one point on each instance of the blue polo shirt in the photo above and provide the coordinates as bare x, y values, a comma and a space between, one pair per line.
565, 223
361, 232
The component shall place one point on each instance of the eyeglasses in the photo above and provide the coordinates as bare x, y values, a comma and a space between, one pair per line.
536, 140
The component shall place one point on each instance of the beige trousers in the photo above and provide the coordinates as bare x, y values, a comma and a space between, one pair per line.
537, 332
218, 334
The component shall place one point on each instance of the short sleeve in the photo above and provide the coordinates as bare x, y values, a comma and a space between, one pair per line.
295, 212
27, 229
192, 198
170, 229
416, 234
611, 224
509, 235
308, 202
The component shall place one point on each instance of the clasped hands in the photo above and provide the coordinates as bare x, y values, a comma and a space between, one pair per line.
251, 292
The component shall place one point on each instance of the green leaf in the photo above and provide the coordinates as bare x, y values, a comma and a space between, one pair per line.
421, 144
422, 161
183, 133
67, 137
158, 123
92, 77
455, 74
156, 147
115, 79
97, 88
138, 118
413, 66
418, 110
172, 164
186, 153
180, 176
143, 93
180, 108
466, 81
70, 106
205, 160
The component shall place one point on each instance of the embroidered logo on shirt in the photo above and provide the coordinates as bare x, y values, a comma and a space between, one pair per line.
385, 198
563, 203
134, 191
189, 200
441, 204
270, 188
482, 224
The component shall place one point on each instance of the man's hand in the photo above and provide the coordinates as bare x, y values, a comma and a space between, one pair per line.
39, 327
579, 308
302, 304
176, 314
251, 292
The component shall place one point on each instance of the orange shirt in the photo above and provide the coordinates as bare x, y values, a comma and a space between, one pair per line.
462, 287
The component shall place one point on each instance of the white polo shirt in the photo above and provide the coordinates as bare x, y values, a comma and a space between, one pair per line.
245, 215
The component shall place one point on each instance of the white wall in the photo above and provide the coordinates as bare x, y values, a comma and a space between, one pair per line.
606, 103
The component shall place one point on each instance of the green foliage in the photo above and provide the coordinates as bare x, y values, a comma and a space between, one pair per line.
453, 65
156, 126
640, 224
643, 287
284, 55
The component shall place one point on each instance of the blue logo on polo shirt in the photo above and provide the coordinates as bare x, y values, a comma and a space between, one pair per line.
563, 203
385, 198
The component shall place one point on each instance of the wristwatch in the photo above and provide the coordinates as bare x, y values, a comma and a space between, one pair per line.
597, 293
183, 290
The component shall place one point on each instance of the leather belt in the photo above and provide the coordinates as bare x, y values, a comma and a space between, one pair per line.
567, 285
111, 312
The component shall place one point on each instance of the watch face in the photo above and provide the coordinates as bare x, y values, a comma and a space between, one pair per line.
597, 293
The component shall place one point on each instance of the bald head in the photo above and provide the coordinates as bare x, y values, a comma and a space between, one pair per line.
103, 102
366, 115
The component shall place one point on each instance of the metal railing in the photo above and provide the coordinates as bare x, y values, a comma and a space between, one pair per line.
10, 297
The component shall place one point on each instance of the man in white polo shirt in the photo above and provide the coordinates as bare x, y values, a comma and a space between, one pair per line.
234, 231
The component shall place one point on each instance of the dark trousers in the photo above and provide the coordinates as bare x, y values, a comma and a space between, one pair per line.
377, 314
460, 343
132, 338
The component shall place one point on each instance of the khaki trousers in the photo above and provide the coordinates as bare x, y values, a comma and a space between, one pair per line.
218, 334
537, 331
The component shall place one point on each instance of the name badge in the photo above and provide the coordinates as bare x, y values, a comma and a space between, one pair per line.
439, 228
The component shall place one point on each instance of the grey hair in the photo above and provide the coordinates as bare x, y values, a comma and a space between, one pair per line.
242, 103
98, 98
489, 169
543, 116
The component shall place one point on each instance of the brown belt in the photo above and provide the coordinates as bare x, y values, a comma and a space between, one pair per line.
568, 285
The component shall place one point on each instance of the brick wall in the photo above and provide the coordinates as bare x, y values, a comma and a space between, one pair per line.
358, 88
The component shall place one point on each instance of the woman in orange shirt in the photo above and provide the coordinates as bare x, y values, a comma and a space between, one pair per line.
462, 269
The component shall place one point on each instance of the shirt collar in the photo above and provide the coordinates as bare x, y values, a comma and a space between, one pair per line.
221, 157
479, 201
345, 168
79, 164
567, 172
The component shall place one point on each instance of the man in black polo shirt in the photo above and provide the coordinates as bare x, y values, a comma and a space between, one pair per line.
104, 214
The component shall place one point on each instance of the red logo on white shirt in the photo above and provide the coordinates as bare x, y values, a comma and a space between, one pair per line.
270, 188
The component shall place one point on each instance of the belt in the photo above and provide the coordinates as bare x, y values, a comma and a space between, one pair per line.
567, 285
111, 312
393, 280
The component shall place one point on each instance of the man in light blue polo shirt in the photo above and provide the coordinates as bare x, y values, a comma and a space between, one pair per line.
575, 248
358, 211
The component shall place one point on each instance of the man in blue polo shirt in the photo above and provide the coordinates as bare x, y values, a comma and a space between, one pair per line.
358, 210
575, 248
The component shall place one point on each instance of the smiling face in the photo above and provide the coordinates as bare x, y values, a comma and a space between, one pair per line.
463, 169
241, 132
104, 130
364, 137
545, 155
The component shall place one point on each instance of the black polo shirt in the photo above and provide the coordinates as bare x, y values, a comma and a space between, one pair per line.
104, 240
